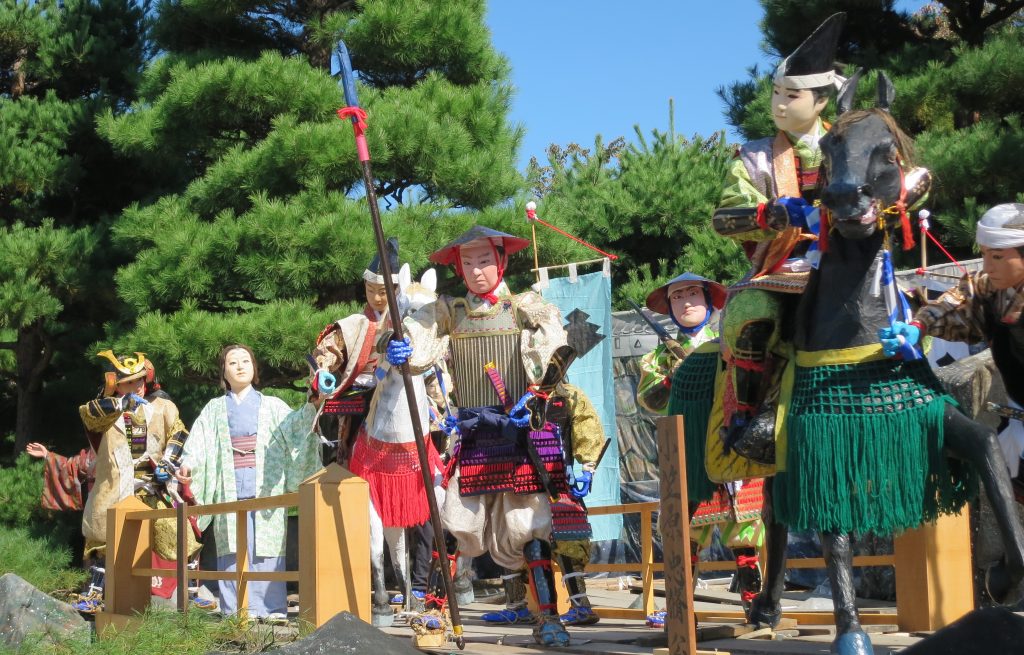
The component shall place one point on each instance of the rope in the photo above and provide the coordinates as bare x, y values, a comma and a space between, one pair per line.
354, 112
531, 215
928, 234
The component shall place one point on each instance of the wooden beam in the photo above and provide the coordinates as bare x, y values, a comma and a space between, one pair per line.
675, 537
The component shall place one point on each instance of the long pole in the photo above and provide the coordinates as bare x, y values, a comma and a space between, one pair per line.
531, 215
357, 116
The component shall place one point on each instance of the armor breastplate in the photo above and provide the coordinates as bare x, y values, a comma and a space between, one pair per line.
135, 431
478, 339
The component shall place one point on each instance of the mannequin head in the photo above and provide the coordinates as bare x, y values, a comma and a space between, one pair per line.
238, 368
136, 386
481, 263
689, 304
376, 296
797, 110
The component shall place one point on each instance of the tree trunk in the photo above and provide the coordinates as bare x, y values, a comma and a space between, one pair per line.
32, 357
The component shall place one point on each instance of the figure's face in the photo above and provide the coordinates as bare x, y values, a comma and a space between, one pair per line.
689, 306
239, 369
479, 266
1004, 266
795, 110
376, 296
137, 387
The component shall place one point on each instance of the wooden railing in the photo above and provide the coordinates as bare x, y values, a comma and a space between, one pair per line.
334, 550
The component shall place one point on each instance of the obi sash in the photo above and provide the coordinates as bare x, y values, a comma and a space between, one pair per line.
243, 451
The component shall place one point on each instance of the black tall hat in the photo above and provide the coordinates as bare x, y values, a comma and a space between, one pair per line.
373, 271
810, 65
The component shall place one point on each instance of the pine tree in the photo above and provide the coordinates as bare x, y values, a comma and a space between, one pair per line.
61, 63
649, 202
259, 232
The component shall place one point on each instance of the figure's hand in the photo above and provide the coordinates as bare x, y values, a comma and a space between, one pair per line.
590, 466
36, 450
399, 352
162, 473
184, 475
893, 338
796, 210
450, 425
326, 383
520, 414
131, 401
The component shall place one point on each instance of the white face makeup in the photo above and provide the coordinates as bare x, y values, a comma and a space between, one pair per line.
479, 266
689, 306
239, 369
795, 110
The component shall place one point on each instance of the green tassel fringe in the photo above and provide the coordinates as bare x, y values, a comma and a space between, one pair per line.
693, 393
866, 451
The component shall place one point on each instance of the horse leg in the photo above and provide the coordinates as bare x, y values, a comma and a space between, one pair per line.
381, 614
977, 444
395, 539
766, 608
850, 638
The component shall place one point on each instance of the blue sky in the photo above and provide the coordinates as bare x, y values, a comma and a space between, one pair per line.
588, 67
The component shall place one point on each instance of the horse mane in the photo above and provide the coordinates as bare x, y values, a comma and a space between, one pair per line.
904, 144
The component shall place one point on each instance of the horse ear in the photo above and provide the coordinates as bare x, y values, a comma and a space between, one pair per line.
886, 92
848, 92
404, 276
429, 280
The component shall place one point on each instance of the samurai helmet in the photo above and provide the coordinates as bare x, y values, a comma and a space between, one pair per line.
374, 273
121, 369
810, 66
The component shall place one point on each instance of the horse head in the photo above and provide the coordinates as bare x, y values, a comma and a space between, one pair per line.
863, 156
422, 292
863, 159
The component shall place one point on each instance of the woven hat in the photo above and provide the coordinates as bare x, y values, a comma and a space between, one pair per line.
657, 300
449, 252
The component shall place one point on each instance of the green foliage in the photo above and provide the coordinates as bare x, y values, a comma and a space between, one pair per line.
165, 631
650, 204
258, 231
21, 487
41, 560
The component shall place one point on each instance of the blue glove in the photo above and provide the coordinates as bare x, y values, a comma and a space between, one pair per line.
581, 486
891, 341
162, 473
399, 352
450, 425
519, 414
132, 400
797, 209
326, 383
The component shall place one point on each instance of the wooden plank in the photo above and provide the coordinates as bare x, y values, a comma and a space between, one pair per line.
242, 562
675, 535
249, 505
183, 529
129, 546
628, 508
802, 618
934, 582
251, 576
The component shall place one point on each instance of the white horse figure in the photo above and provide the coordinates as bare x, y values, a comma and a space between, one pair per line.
387, 432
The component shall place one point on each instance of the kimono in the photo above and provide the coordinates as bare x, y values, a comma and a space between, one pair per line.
124, 462
657, 366
280, 451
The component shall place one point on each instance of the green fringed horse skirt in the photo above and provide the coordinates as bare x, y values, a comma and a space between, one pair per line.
693, 393
865, 446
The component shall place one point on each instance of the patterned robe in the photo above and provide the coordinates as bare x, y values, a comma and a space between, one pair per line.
657, 366
115, 473
287, 452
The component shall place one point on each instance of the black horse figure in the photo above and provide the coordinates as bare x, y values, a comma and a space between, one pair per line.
869, 438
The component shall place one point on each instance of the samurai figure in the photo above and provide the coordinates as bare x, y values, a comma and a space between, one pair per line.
693, 303
768, 205
346, 359
499, 346
138, 444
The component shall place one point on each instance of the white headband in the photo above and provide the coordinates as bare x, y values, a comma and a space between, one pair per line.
1002, 227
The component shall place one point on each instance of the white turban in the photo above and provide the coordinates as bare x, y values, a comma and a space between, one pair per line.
1002, 227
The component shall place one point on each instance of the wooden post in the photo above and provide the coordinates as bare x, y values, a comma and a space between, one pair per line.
241, 563
647, 561
129, 545
334, 546
934, 581
182, 552
675, 537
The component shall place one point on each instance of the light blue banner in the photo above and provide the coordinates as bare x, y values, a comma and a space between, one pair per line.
586, 306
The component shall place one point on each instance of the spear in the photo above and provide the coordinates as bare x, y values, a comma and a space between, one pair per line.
358, 117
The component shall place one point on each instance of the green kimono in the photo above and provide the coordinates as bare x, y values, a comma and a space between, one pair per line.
287, 452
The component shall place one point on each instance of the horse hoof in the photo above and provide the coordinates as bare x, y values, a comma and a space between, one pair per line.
382, 619
852, 643
762, 616
464, 598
